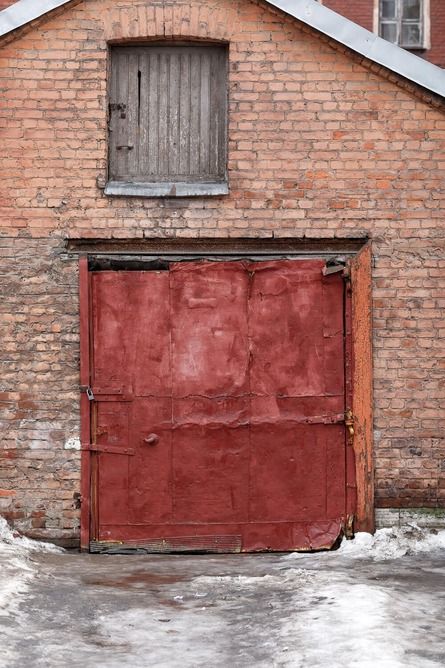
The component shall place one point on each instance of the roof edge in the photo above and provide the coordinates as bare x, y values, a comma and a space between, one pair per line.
24, 11
310, 12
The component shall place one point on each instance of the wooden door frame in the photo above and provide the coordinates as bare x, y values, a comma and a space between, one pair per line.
85, 412
362, 387
361, 374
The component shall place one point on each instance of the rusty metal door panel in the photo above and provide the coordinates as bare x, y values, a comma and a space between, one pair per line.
302, 410
131, 333
112, 421
333, 335
111, 447
210, 352
334, 437
111, 362
112, 490
210, 411
261, 537
150, 476
227, 381
211, 472
150, 323
210, 381
290, 313
291, 471
297, 388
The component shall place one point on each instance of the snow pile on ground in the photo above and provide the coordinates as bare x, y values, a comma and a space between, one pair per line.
16, 566
288, 576
393, 543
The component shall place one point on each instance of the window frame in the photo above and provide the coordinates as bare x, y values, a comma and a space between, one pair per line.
424, 22
160, 185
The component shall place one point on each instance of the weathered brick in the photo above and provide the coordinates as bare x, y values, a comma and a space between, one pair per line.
322, 145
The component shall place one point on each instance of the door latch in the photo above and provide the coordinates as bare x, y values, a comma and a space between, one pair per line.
118, 106
88, 391
349, 422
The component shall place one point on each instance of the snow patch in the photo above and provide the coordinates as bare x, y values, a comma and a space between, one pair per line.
16, 565
357, 620
176, 636
393, 543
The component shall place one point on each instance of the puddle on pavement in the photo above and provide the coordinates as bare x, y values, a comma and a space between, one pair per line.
136, 580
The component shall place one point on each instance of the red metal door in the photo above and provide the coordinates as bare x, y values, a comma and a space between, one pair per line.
218, 412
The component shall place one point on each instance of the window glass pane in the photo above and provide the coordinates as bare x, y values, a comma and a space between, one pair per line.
411, 34
411, 9
388, 9
389, 31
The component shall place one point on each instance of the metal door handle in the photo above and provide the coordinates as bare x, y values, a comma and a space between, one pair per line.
151, 439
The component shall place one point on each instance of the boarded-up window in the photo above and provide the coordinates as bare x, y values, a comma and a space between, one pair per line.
168, 115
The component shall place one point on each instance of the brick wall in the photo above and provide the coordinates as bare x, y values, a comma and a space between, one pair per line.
321, 146
437, 53
38, 395
359, 11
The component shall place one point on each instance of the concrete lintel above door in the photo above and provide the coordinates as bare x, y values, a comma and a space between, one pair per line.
99, 250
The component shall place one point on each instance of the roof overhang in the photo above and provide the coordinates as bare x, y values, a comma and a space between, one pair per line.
310, 12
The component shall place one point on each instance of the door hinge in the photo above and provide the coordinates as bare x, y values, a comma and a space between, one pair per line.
348, 529
336, 265
77, 500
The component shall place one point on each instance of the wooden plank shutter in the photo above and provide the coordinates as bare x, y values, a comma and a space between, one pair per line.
168, 114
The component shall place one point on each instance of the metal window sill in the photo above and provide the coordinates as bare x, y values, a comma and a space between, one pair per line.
166, 189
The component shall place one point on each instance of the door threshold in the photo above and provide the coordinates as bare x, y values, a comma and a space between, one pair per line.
181, 544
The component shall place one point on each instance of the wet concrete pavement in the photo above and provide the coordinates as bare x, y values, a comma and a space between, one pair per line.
229, 610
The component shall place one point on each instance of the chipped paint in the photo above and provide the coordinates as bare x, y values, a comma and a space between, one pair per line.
72, 443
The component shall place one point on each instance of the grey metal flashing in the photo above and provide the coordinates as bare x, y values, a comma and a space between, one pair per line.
171, 189
309, 12
25, 11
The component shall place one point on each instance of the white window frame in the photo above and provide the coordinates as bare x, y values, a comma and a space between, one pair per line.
425, 22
